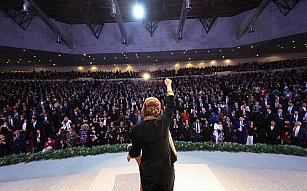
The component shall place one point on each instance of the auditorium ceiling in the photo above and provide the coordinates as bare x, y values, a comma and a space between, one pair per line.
285, 45
98, 11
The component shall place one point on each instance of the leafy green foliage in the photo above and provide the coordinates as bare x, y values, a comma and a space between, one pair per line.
181, 146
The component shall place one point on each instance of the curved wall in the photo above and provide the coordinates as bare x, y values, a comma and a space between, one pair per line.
270, 25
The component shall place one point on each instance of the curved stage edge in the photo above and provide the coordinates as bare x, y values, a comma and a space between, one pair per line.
197, 171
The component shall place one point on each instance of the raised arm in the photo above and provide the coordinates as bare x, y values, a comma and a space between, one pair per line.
170, 103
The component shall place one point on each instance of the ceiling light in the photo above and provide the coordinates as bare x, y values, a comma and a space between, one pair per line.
138, 11
251, 29
58, 40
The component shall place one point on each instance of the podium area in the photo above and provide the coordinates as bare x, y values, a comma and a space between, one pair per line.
197, 171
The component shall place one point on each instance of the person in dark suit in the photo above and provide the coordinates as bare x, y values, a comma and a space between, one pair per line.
152, 136
198, 128
273, 134
241, 127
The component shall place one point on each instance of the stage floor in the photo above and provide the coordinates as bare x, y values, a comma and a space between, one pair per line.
195, 171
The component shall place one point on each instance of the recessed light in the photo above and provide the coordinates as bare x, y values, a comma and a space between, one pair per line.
34, 56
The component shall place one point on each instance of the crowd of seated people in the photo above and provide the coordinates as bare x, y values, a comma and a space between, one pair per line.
247, 108
254, 66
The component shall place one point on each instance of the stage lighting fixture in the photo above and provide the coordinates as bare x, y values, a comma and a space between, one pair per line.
138, 11
26, 7
146, 76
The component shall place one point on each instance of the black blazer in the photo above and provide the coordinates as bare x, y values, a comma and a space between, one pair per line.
152, 137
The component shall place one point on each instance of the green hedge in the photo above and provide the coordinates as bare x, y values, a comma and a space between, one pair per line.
181, 146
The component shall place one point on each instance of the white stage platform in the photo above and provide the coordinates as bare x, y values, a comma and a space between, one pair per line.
195, 171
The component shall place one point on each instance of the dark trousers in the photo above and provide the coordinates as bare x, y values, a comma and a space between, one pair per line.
162, 182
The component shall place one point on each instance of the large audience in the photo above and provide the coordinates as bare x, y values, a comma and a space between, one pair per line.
253, 66
250, 107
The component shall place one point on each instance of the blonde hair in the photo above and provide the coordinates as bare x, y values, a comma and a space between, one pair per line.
151, 108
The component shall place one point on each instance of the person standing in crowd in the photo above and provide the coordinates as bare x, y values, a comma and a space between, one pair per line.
273, 134
198, 128
152, 137
250, 133
241, 127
